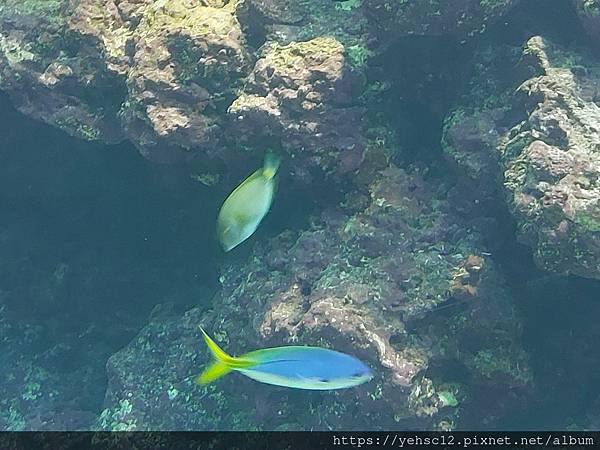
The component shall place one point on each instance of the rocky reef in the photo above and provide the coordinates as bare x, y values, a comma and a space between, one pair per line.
301, 94
53, 74
180, 80
385, 242
368, 277
538, 136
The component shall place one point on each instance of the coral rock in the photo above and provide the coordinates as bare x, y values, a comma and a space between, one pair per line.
543, 145
366, 280
302, 93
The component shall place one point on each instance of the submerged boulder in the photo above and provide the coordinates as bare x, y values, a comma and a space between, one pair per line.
302, 94
179, 80
181, 60
56, 75
537, 134
164, 75
153, 72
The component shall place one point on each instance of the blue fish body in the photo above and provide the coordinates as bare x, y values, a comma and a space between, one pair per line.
299, 367
307, 368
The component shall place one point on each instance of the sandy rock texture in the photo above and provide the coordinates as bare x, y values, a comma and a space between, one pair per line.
54, 74
303, 94
180, 61
164, 75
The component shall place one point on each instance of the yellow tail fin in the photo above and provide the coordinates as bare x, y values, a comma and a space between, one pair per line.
212, 372
271, 164
224, 363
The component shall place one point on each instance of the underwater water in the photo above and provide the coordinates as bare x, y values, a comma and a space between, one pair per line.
430, 211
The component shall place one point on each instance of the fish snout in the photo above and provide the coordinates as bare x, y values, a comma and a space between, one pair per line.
363, 375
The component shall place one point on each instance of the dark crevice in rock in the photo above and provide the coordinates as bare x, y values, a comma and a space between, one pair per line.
424, 82
562, 337
92, 238
429, 73
252, 26
555, 19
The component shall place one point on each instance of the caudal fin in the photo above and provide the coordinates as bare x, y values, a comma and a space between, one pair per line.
212, 372
223, 364
271, 164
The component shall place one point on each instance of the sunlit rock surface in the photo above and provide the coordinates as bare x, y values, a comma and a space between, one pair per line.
164, 74
56, 75
305, 94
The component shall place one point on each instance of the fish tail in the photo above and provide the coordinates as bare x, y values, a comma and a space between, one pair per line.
212, 372
271, 164
224, 363
218, 353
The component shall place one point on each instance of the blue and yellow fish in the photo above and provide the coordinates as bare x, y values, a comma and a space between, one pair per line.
299, 367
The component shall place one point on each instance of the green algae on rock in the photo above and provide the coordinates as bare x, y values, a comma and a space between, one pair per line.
145, 401
53, 75
179, 101
157, 74
163, 75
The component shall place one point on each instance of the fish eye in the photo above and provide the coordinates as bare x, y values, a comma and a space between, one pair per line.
323, 380
357, 375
